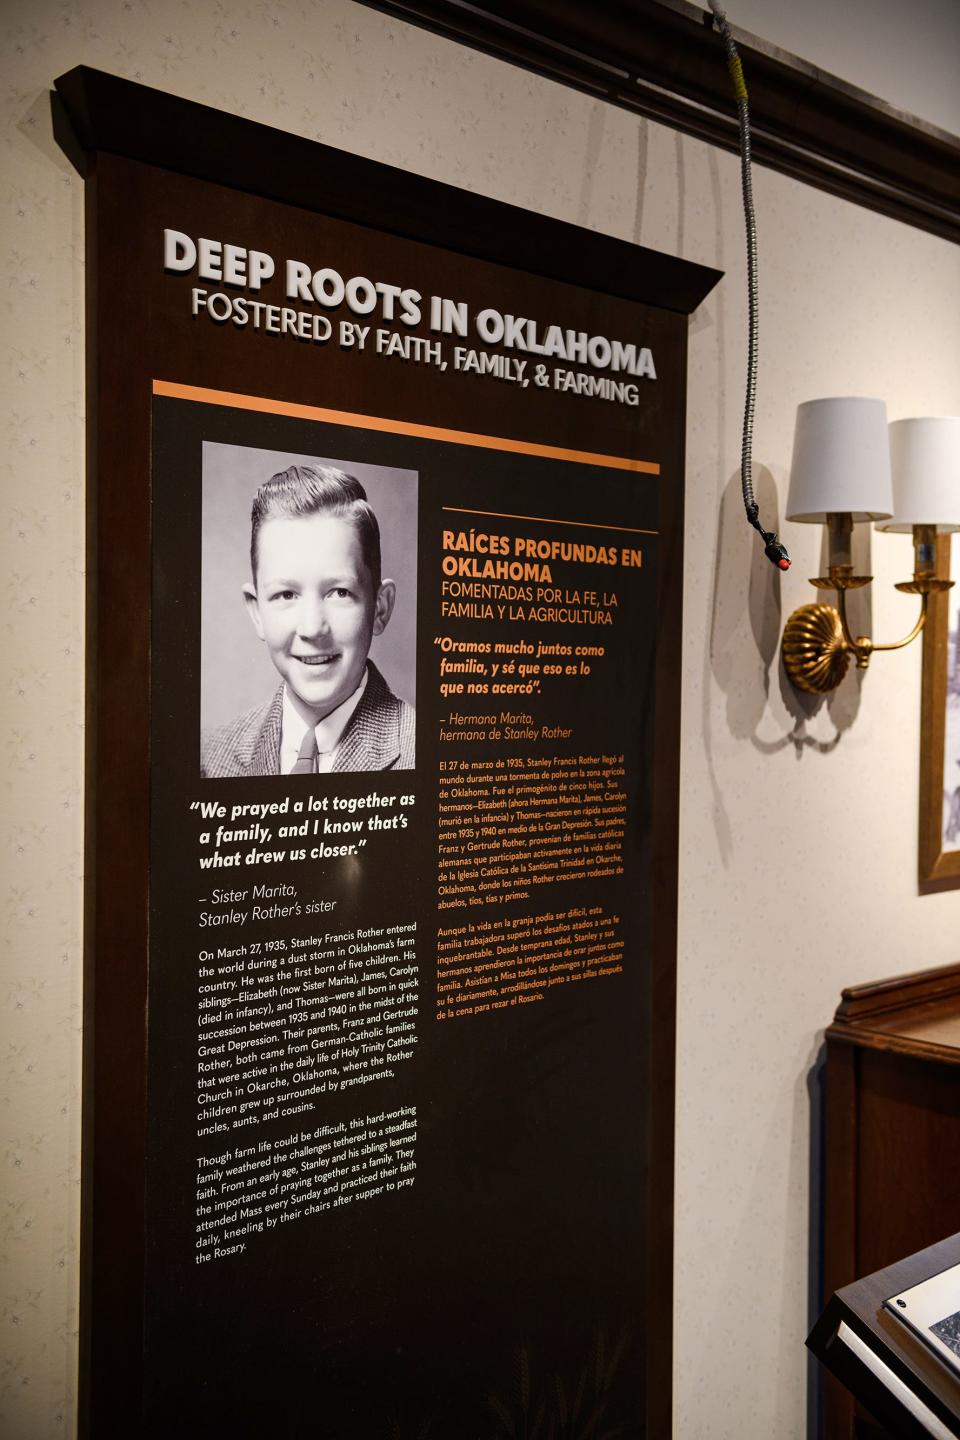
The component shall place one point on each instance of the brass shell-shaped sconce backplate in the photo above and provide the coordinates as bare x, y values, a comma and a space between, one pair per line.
815, 654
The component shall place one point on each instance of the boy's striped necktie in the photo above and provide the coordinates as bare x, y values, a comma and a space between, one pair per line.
306, 763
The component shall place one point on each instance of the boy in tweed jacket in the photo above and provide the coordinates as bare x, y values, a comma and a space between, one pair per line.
316, 600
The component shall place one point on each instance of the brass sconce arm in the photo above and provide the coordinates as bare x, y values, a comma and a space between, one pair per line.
863, 647
817, 642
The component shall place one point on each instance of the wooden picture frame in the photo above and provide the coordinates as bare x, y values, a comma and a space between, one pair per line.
939, 738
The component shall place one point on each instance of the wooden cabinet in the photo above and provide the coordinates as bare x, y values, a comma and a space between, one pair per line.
892, 1136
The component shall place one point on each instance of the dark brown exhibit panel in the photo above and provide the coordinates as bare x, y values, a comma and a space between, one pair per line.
379, 1087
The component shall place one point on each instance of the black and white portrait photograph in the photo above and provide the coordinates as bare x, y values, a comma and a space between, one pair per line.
948, 1330
308, 614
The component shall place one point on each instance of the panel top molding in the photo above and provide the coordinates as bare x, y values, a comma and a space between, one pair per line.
917, 1014
663, 59
94, 111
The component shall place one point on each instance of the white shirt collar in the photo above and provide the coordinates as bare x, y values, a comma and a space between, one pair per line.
329, 731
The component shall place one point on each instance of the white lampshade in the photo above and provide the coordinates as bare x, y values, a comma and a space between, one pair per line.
841, 461
925, 456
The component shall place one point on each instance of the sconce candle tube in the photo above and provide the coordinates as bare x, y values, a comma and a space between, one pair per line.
840, 538
924, 550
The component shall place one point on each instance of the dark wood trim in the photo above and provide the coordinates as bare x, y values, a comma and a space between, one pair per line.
895, 1045
88, 1148
117, 863
840, 1229
661, 59
876, 997
913, 1015
662, 1022
94, 111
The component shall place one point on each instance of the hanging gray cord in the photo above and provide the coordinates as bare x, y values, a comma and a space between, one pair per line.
773, 549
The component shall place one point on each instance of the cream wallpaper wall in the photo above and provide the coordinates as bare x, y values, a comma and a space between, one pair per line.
799, 829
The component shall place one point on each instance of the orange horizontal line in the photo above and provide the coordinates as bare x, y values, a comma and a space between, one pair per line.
233, 401
548, 520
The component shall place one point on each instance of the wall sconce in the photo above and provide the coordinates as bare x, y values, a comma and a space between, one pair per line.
847, 468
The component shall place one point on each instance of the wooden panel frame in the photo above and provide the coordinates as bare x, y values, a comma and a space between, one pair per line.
939, 868
98, 119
